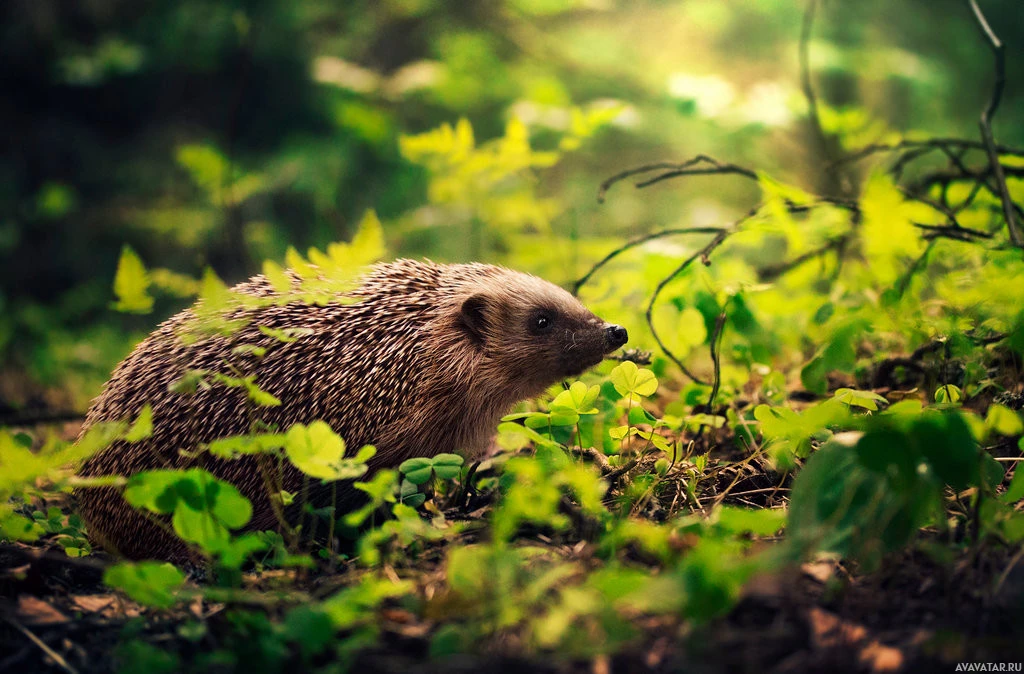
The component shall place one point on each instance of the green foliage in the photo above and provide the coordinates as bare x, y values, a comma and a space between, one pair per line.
868, 499
319, 452
612, 462
420, 469
151, 583
131, 284
22, 470
203, 510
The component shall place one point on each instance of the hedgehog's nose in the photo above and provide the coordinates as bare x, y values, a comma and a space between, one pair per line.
616, 336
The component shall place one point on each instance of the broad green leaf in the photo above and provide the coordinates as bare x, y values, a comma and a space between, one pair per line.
578, 399
468, 569
949, 447
628, 379
409, 494
151, 583
867, 399
638, 415
948, 393
888, 235
316, 450
1015, 491
310, 628
417, 470
447, 466
1003, 421
258, 395
234, 553
763, 522
154, 490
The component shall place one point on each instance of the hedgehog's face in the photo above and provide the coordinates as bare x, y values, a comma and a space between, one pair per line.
535, 334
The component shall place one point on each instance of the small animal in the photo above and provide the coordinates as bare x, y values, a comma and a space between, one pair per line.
421, 358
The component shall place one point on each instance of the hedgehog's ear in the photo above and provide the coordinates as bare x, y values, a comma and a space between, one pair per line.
473, 317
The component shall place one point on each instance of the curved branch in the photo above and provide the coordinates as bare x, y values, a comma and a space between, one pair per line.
702, 254
636, 242
985, 124
931, 144
701, 164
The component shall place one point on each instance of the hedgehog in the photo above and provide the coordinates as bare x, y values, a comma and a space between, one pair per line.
420, 358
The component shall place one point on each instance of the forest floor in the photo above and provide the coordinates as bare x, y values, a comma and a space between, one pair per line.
925, 609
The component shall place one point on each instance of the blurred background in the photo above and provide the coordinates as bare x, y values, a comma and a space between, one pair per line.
218, 134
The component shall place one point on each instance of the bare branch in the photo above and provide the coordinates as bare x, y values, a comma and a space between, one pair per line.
774, 271
716, 358
636, 242
930, 144
807, 85
985, 124
702, 255
699, 165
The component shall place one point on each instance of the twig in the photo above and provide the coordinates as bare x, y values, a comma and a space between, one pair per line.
615, 474
700, 165
636, 242
919, 263
715, 168
716, 345
985, 123
1006, 572
772, 272
931, 144
54, 655
952, 232
805, 73
702, 254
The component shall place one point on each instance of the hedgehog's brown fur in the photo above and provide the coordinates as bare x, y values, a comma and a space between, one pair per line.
426, 361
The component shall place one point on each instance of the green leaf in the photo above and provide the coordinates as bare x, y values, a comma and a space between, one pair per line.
762, 522
1015, 491
309, 627
240, 445
948, 393
949, 447
885, 447
628, 379
619, 432
284, 335
143, 426
1003, 421
150, 583
447, 466
578, 399
234, 553
417, 470
154, 490
190, 382
867, 399
277, 277
316, 450
131, 284
638, 415
258, 395
410, 495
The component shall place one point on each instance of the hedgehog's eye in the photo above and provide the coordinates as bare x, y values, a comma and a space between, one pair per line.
541, 323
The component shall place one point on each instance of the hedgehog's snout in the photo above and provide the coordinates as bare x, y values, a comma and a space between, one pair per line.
615, 336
